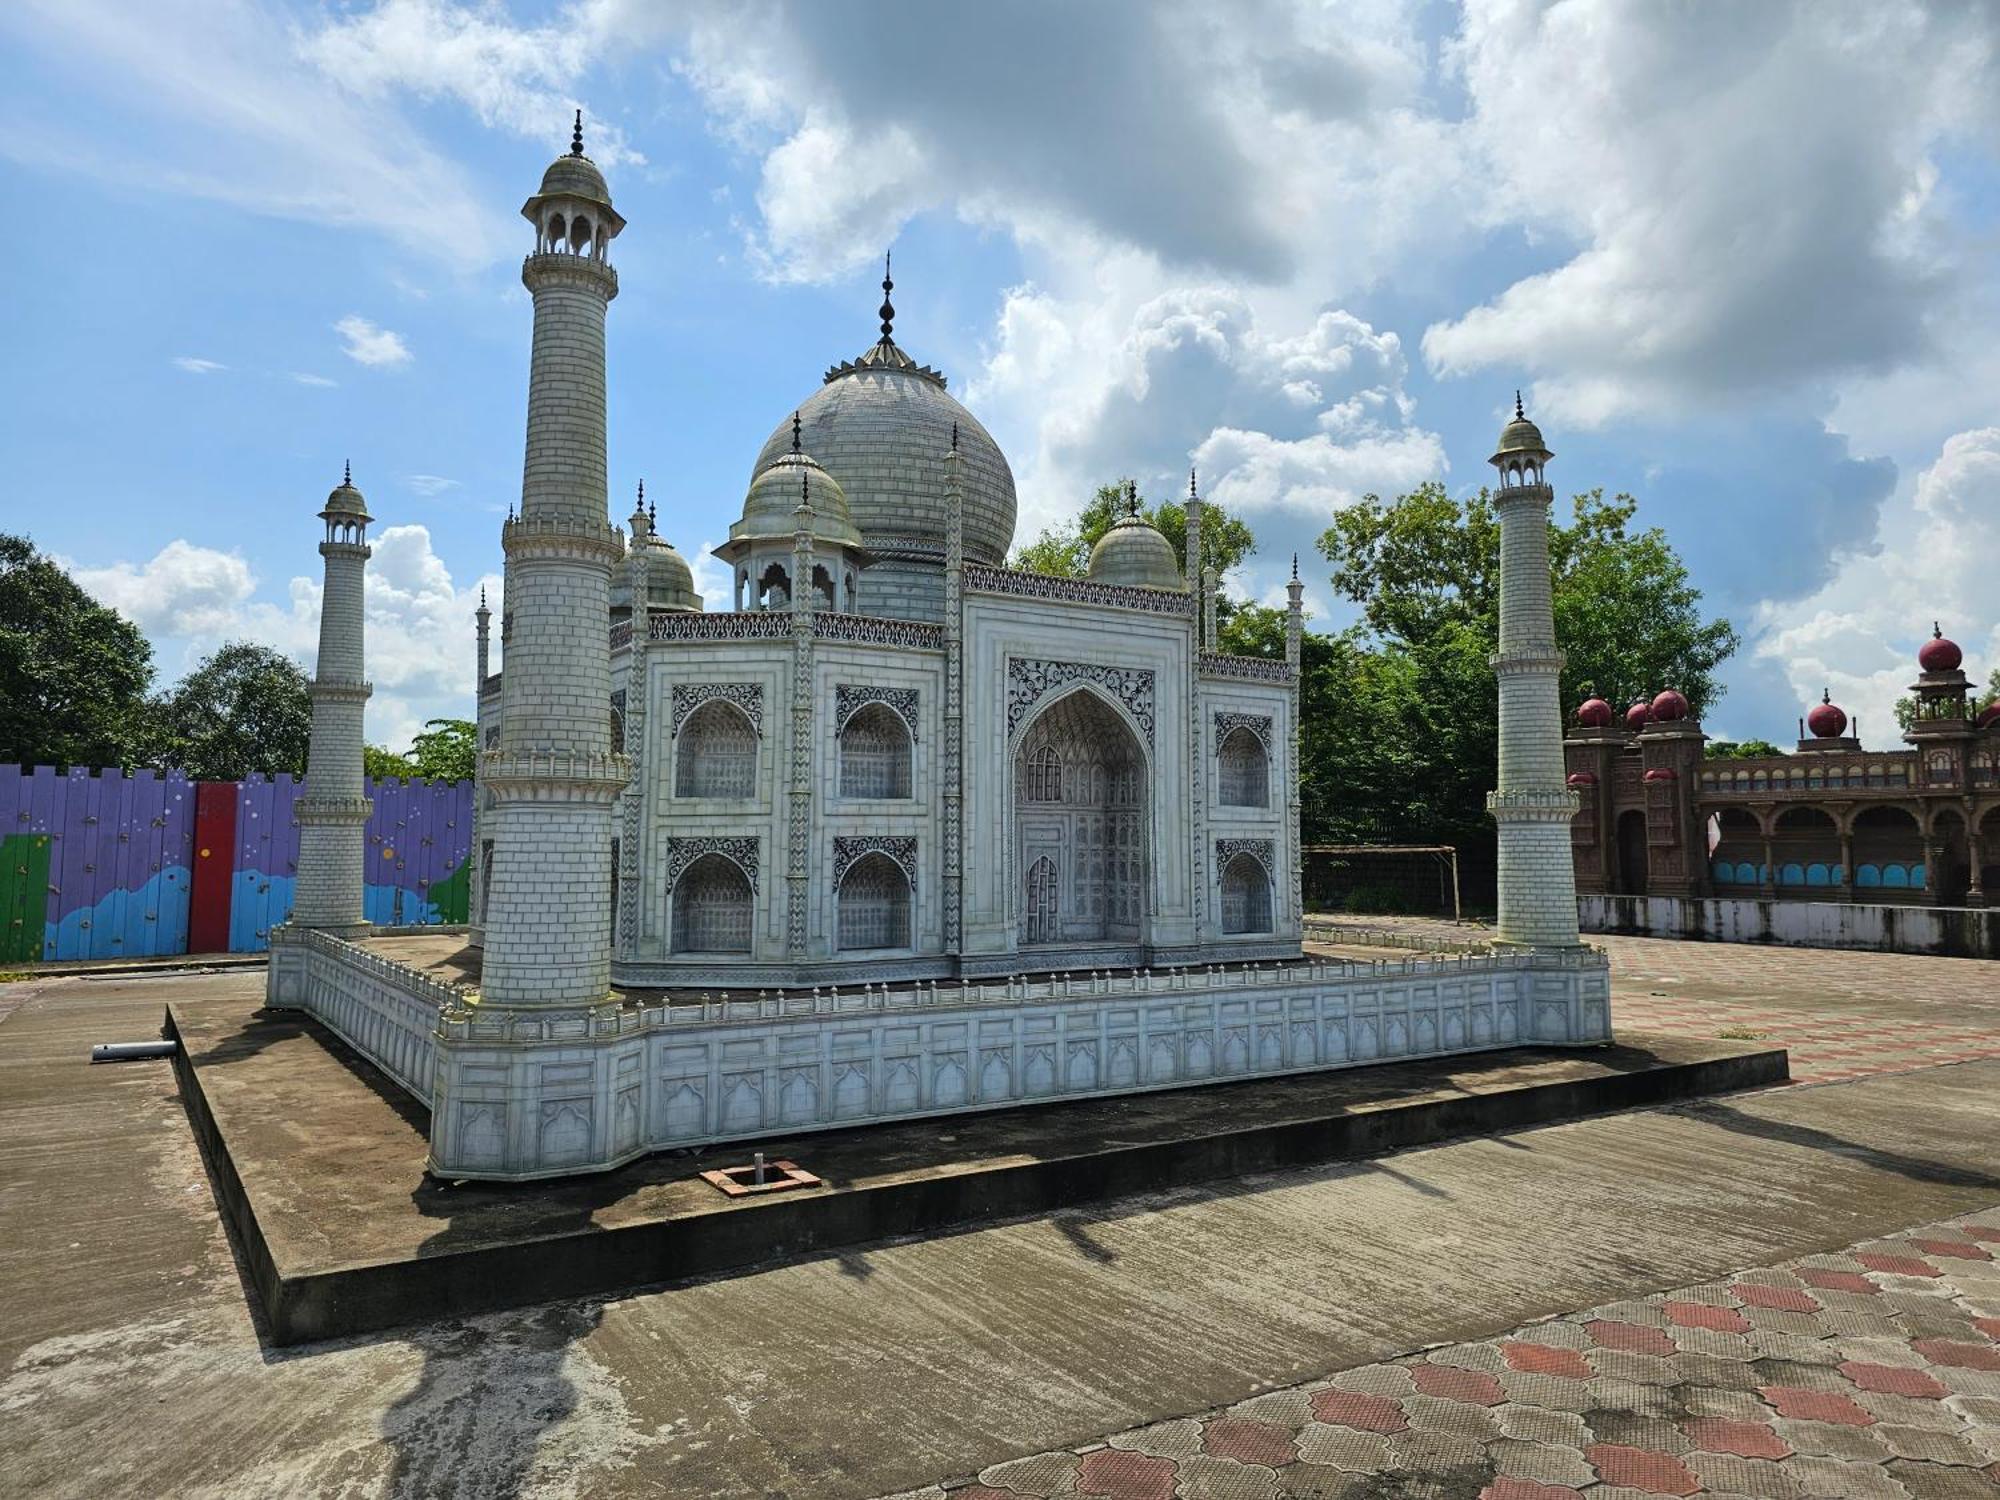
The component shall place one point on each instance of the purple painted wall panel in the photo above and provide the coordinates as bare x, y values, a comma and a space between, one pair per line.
121, 849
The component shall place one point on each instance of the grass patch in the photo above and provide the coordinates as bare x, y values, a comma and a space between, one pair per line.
1742, 1034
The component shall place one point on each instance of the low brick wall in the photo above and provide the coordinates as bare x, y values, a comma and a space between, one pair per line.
1951, 931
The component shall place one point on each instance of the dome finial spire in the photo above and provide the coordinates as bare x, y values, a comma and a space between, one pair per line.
1519, 415
888, 313
576, 136
1192, 493
346, 472
1295, 567
954, 437
798, 443
1937, 630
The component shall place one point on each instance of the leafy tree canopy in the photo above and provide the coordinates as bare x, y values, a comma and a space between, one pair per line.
243, 709
446, 750
73, 674
1426, 568
381, 764
1064, 549
1740, 749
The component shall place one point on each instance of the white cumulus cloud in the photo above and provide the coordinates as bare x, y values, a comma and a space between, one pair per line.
368, 344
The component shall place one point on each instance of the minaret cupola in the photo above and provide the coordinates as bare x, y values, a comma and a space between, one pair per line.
346, 512
1521, 454
572, 212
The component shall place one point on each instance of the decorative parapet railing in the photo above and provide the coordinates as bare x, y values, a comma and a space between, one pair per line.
1336, 930
1168, 985
987, 580
868, 630
621, 635
1243, 668
386, 1010
741, 625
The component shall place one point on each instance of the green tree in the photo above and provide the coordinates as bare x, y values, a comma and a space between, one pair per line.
1064, 549
446, 750
378, 763
243, 709
1425, 570
73, 674
1739, 749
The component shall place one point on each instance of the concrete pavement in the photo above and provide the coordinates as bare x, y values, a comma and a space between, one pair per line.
130, 1364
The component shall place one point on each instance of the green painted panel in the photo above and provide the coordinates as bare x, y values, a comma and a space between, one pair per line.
24, 896
453, 894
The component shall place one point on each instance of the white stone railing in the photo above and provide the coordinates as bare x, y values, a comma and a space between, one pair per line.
873, 631
1243, 668
987, 580
719, 625
1141, 985
385, 1010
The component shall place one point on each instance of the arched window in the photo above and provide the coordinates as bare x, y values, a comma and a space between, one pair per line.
1043, 776
617, 731
822, 588
774, 588
1245, 770
874, 905
717, 753
1246, 896
712, 907
875, 754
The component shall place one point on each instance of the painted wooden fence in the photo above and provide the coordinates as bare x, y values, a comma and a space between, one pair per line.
102, 864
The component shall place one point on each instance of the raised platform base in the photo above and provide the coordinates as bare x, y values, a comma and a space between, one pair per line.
1949, 931
526, 1093
319, 1163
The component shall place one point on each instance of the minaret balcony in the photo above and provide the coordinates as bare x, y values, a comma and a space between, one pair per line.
1533, 805
553, 267
562, 534
554, 775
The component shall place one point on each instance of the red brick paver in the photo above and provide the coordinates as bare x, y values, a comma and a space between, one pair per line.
1899, 1399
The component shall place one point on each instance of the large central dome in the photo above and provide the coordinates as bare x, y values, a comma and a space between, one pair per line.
881, 424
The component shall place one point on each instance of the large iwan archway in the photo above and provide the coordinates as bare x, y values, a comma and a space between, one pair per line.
1079, 826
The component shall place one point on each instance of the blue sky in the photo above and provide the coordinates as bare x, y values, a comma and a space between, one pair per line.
1742, 261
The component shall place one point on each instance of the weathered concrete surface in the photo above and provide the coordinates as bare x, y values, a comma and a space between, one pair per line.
319, 1163
131, 1366
1950, 931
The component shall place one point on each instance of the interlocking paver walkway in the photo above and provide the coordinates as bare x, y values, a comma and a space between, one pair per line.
1882, 1380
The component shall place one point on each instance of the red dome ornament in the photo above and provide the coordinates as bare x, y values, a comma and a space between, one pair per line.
1829, 720
1659, 773
1991, 717
1939, 654
1670, 707
1638, 715
1582, 778
1594, 713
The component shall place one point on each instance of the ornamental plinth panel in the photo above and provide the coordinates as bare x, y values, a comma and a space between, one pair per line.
1243, 668
701, 625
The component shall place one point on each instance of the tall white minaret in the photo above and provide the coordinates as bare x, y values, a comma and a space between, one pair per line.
333, 810
553, 776
1533, 805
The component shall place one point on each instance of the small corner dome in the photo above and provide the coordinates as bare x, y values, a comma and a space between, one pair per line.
770, 510
1939, 653
1135, 554
669, 579
1639, 715
1594, 713
1670, 707
1828, 720
1520, 436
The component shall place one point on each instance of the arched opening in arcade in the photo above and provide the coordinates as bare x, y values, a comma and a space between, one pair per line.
1952, 856
1805, 854
1737, 865
1888, 850
1079, 825
1632, 852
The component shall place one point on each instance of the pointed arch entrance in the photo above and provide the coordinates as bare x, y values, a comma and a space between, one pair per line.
1080, 804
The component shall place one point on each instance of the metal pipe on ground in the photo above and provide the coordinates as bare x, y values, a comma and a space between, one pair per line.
132, 1051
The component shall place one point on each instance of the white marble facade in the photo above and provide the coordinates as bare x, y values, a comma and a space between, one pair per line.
893, 830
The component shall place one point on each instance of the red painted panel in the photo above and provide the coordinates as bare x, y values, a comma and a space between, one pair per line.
214, 866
